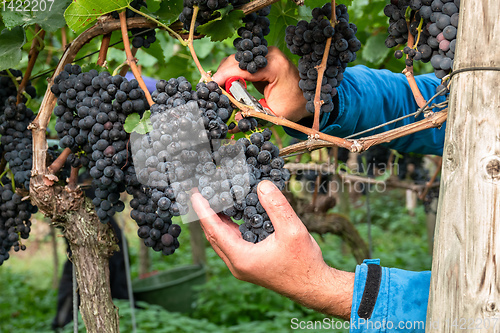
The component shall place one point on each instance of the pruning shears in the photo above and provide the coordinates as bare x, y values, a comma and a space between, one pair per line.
236, 86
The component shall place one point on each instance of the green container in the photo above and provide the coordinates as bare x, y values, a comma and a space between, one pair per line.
172, 289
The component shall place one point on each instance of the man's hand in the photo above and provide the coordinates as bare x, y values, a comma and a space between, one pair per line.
289, 261
278, 81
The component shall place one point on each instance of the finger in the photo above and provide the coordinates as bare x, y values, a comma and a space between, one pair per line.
216, 248
218, 232
208, 233
278, 209
231, 68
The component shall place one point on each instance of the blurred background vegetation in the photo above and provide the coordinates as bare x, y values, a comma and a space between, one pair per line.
27, 293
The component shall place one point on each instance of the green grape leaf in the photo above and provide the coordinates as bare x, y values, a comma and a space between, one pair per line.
169, 11
167, 46
153, 5
203, 47
375, 50
45, 13
81, 13
155, 51
131, 122
134, 123
283, 14
147, 57
89, 66
11, 42
223, 26
12, 18
144, 125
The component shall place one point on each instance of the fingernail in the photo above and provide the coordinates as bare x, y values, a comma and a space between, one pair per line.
266, 187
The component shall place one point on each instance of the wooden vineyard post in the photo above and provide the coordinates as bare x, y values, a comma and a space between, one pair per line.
465, 283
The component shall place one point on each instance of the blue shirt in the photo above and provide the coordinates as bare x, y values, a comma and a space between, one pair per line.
401, 303
366, 98
370, 97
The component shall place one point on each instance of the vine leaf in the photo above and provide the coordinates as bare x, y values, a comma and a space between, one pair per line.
50, 20
153, 5
11, 42
156, 51
134, 123
90, 66
375, 50
223, 26
81, 13
131, 122
169, 11
282, 14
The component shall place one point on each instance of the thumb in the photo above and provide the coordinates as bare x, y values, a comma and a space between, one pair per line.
278, 209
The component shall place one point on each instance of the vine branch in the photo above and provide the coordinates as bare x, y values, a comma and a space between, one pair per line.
256, 5
59, 161
103, 52
190, 45
124, 67
358, 145
33, 55
130, 58
318, 102
73, 178
408, 72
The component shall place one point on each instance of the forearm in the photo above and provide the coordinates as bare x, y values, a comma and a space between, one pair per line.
333, 296
331, 293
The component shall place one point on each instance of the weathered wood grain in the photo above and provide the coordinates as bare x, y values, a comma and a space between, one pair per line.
465, 284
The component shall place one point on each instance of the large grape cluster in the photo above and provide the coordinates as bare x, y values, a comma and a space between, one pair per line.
16, 149
92, 108
16, 139
91, 124
150, 210
308, 40
438, 21
207, 10
229, 182
185, 149
8, 87
15, 221
251, 45
166, 158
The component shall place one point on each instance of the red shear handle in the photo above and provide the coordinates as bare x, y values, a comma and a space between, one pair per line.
230, 81
263, 102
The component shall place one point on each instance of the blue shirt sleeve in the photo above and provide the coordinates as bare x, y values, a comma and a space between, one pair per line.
370, 97
401, 305
150, 82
